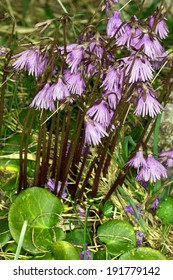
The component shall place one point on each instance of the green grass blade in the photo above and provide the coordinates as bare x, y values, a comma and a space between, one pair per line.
21, 238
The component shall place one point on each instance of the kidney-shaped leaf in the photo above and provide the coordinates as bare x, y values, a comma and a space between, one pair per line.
165, 211
63, 250
119, 236
41, 209
143, 253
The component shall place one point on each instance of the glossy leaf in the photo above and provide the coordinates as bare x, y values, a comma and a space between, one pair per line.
165, 211
63, 250
41, 209
143, 253
119, 236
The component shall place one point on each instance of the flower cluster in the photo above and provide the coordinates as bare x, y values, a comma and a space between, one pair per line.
91, 57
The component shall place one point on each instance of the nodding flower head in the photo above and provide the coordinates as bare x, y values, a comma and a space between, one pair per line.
60, 90
74, 56
137, 160
158, 23
44, 99
113, 25
100, 113
153, 170
150, 46
138, 67
94, 132
75, 82
147, 103
31, 60
113, 80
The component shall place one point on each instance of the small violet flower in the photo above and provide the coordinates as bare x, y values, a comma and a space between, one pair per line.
31, 60
100, 113
113, 24
87, 252
151, 46
160, 27
94, 131
137, 161
113, 80
96, 48
51, 187
112, 99
130, 35
60, 90
147, 103
153, 170
130, 210
75, 82
139, 238
155, 204
138, 67
44, 99
74, 56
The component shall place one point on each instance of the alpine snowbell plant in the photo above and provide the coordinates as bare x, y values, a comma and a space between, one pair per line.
86, 92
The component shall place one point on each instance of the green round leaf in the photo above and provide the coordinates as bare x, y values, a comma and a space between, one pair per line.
119, 236
41, 209
63, 250
143, 253
165, 211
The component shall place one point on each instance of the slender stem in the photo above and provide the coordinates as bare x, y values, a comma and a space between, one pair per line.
43, 154
74, 170
73, 145
87, 177
62, 6
159, 71
59, 161
55, 151
81, 171
108, 159
124, 6
26, 151
99, 168
38, 155
119, 181
45, 163
21, 160
65, 146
